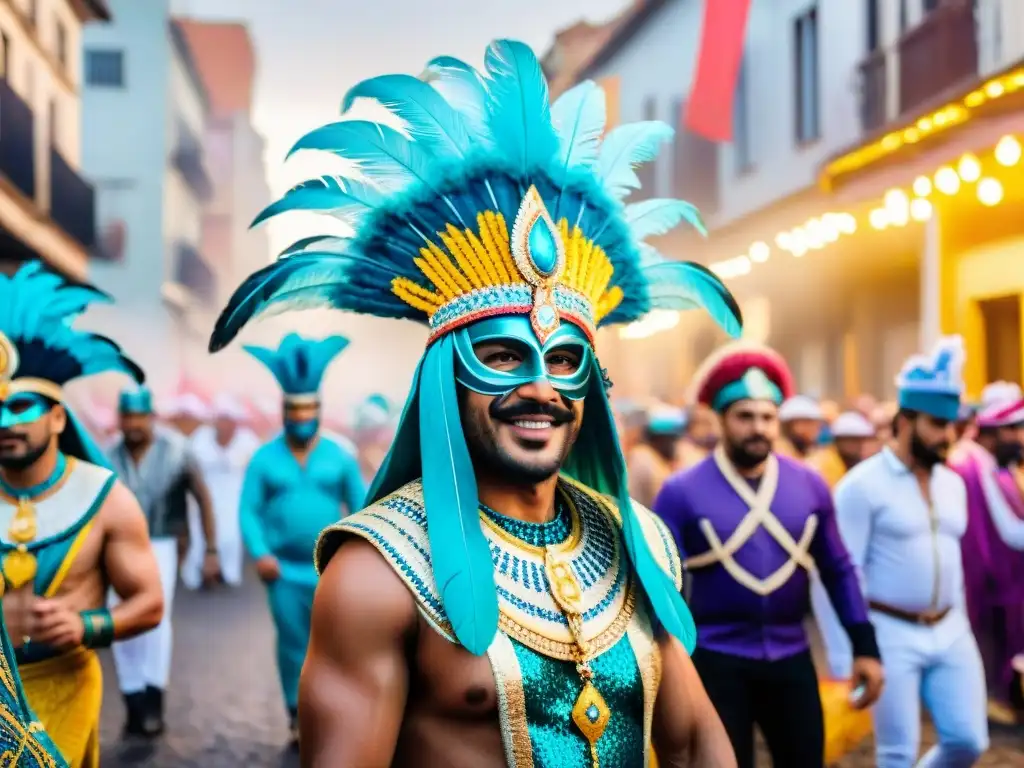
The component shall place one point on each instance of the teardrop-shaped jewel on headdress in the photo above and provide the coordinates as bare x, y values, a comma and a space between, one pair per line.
539, 253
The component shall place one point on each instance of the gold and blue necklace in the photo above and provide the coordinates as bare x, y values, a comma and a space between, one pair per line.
538, 556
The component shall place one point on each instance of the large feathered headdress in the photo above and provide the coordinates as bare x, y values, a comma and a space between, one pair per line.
41, 350
299, 364
492, 202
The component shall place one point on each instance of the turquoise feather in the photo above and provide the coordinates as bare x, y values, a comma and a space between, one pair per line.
579, 115
463, 88
650, 218
462, 563
344, 198
624, 148
326, 243
430, 118
383, 153
681, 285
518, 111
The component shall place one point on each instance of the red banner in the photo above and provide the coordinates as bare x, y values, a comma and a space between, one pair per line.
709, 109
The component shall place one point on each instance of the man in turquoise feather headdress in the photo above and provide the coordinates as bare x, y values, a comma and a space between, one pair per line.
296, 485
501, 601
68, 529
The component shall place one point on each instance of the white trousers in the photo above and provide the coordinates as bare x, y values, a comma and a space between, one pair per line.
940, 666
229, 549
145, 660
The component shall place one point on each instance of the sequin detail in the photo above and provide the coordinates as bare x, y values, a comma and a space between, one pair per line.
555, 531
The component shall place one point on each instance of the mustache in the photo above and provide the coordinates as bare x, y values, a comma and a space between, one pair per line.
8, 435
525, 409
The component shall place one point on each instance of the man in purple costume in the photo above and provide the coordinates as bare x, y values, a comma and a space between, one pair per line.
751, 526
993, 563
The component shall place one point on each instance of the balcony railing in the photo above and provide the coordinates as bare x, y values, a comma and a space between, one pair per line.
188, 159
191, 271
72, 201
936, 57
17, 141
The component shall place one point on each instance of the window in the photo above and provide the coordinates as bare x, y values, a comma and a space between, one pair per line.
62, 45
808, 123
903, 16
873, 24
741, 138
930, 5
104, 68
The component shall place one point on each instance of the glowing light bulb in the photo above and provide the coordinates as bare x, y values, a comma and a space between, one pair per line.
922, 186
878, 218
784, 240
969, 168
990, 192
759, 252
1008, 151
847, 223
920, 209
946, 180
896, 199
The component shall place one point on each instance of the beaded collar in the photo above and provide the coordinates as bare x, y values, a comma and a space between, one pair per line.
547, 534
37, 490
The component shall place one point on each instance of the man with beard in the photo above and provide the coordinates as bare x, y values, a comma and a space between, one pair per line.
851, 432
992, 560
222, 451
800, 421
752, 527
653, 459
68, 529
156, 464
296, 485
902, 514
700, 438
487, 609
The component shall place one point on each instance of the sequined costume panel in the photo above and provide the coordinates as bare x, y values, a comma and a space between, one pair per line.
532, 657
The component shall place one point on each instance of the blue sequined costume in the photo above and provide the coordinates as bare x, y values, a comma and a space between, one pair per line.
500, 216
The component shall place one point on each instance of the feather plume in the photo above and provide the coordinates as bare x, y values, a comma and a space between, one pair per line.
328, 194
518, 111
626, 147
382, 153
579, 117
463, 88
650, 218
430, 118
682, 285
325, 243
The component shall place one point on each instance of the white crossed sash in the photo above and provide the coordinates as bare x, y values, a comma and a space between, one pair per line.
758, 516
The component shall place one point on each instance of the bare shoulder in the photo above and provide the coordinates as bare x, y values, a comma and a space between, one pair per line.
359, 594
121, 511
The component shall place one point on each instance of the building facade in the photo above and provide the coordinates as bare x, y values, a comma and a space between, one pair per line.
840, 298
47, 208
145, 113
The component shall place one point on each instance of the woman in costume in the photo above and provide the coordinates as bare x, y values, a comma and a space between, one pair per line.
68, 529
499, 224
295, 486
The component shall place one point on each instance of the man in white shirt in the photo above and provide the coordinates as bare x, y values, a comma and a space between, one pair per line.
902, 514
223, 450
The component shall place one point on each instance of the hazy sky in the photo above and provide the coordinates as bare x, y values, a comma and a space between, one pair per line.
311, 53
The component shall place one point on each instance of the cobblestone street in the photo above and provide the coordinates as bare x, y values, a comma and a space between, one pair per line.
224, 706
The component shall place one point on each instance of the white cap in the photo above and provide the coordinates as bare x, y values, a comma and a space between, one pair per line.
1000, 393
227, 406
800, 407
852, 424
189, 405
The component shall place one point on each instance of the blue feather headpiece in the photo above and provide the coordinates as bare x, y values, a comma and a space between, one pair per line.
492, 202
374, 412
299, 364
137, 399
41, 350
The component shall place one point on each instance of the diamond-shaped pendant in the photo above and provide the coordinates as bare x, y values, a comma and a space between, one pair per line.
591, 713
19, 568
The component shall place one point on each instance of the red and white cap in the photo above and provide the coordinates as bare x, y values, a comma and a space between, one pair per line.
1001, 414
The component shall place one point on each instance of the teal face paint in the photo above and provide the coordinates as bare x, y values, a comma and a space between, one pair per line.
22, 408
517, 332
301, 431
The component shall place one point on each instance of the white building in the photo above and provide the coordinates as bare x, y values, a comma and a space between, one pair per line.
46, 207
842, 302
145, 111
